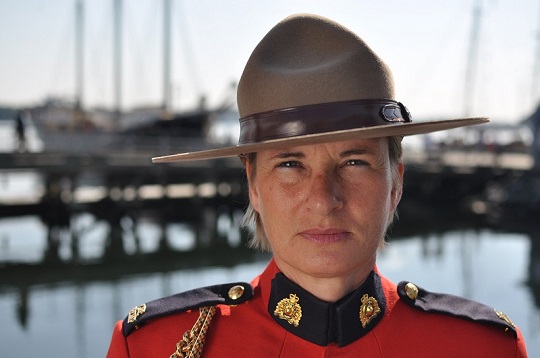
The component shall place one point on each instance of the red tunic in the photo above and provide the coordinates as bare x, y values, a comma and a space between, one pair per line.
250, 330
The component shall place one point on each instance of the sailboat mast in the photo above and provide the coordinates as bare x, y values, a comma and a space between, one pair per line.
118, 56
536, 66
166, 55
470, 71
79, 53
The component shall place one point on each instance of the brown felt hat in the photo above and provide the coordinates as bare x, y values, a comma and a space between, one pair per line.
309, 81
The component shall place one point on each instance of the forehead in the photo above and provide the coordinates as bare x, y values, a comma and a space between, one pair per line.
374, 146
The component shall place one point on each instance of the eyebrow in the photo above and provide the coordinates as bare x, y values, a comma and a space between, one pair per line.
289, 154
356, 151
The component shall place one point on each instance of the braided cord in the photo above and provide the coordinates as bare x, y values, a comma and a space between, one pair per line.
192, 343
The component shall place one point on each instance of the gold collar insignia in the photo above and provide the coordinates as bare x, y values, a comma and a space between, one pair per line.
289, 310
369, 310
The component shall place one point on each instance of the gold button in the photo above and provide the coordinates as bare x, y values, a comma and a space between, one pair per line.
411, 290
236, 292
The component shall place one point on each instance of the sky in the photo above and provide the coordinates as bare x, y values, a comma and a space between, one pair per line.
425, 42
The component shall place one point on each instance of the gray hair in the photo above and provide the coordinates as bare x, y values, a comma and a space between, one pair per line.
252, 220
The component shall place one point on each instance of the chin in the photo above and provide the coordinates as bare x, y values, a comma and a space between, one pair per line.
330, 266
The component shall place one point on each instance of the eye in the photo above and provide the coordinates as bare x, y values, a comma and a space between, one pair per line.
289, 164
356, 162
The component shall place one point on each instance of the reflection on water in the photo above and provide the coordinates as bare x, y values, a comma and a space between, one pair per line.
66, 310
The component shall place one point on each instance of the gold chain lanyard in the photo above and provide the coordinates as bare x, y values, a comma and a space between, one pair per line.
192, 343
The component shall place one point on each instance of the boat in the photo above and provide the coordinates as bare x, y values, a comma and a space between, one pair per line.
64, 129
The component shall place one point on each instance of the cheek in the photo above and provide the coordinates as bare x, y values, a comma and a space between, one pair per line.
372, 198
275, 199
279, 211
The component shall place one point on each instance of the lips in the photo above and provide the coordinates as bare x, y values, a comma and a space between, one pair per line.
324, 236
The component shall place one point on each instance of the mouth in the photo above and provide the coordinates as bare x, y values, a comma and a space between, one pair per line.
325, 236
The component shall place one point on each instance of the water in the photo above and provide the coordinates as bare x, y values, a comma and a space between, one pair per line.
68, 319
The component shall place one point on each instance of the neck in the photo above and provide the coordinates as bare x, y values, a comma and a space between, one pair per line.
327, 288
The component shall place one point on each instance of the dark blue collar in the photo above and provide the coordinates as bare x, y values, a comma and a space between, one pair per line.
324, 323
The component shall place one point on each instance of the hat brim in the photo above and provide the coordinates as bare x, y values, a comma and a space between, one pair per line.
390, 130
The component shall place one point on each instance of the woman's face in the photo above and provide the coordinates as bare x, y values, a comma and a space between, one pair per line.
325, 207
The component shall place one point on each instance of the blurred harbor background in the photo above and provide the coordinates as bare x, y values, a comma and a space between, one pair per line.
91, 90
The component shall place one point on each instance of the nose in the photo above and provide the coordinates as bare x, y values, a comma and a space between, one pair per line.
325, 193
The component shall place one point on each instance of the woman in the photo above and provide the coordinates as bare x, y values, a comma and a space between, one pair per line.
321, 144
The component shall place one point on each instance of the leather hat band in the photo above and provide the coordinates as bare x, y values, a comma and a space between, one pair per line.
321, 118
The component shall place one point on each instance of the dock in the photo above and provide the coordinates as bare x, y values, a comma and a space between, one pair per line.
113, 186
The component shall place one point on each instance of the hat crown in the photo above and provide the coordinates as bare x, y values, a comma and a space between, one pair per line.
307, 59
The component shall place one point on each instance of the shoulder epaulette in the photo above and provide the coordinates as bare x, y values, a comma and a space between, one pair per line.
227, 294
454, 306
